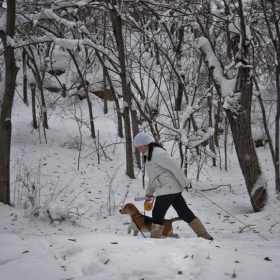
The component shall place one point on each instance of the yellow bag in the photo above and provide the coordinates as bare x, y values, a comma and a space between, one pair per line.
148, 205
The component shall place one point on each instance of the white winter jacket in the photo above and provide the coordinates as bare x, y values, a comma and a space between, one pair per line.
165, 176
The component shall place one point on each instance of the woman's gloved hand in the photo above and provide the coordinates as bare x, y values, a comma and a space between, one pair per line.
148, 198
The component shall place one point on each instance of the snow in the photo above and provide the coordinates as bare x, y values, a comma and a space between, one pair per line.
91, 240
3, 21
58, 212
67, 43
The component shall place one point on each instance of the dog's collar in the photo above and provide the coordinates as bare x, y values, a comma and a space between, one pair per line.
136, 215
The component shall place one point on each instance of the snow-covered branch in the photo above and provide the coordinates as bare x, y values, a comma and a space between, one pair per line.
226, 86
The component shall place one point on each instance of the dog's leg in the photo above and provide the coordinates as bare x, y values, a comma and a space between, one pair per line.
130, 227
172, 234
136, 232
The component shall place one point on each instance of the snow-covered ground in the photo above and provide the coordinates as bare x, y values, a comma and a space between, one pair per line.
92, 244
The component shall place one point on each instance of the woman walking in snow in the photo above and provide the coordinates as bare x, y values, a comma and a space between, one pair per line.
168, 181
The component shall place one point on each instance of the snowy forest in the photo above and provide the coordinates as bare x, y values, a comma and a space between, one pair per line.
80, 79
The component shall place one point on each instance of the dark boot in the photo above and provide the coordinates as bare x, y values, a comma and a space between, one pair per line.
199, 229
156, 231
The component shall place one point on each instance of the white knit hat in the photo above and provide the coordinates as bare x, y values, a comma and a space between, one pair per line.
142, 139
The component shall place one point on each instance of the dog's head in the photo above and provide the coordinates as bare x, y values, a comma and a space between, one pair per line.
129, 209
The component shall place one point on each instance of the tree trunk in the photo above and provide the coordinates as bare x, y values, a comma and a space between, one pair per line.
39, 81
216, 124
112, 89
117, 29
92, 127
178, 51
33, 98
104, 73
25, 98
275, 7
240, 124
6, 103
211, 140
135, 130
85, 86
248, 159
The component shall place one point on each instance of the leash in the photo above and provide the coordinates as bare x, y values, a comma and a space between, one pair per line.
227, 212
138, 226
147, 206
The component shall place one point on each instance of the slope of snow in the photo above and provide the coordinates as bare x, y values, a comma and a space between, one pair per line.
93, 243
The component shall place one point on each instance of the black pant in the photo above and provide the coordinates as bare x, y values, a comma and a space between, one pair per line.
162, 204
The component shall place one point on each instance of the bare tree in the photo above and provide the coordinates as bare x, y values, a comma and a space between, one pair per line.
239, 110
117, 25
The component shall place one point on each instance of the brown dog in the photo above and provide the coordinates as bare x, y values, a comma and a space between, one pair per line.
144, 223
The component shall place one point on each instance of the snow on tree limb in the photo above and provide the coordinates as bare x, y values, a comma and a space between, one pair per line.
226, 86
200, 137
67, 43
51, 15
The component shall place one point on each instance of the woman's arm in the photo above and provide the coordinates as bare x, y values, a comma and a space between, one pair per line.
150, 190
163, 159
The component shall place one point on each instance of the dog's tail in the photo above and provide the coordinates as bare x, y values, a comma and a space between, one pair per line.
175, 219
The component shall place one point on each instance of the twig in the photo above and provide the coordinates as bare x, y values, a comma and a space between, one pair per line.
125, 196
96, 149
229, 185
79, 194
273, 226
245, 227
